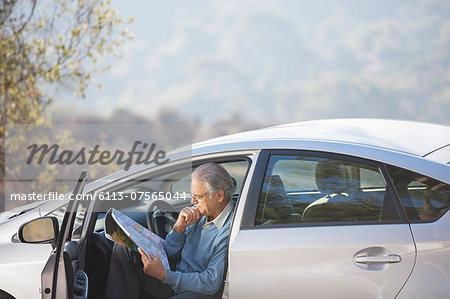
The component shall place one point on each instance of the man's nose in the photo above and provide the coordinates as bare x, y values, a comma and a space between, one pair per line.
193, 201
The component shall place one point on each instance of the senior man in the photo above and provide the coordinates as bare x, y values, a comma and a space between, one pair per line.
197, 245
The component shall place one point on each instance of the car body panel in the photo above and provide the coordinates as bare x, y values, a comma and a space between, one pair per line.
432, 270
317, 262
15, 212
441, 155
23, 260
388, 134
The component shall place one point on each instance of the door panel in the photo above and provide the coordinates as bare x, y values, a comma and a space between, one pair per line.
318, 262
432, 269
57, 278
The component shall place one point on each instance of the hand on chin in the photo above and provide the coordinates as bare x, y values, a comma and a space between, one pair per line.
200, 210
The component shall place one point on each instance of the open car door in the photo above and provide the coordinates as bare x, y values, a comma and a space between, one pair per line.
61, 277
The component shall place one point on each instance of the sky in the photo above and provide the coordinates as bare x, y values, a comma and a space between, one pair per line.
280, 61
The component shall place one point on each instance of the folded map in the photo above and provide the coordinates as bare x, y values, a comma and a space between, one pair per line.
124, 230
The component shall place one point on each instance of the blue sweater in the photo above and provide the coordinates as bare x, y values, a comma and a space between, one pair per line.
203, 253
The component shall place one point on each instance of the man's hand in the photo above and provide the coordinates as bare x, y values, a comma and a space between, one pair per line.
153, 266
188, 216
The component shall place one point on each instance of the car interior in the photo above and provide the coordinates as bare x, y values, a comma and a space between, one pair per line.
338, 200
157, 215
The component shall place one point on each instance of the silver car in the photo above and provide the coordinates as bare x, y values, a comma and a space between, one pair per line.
325, 209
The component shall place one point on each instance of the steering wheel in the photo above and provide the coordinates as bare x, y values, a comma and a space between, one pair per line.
161, 217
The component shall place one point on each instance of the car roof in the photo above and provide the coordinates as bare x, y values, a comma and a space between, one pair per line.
395, 142
414, 138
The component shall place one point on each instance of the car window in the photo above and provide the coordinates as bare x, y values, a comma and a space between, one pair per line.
422, 198
172, 188
305, 189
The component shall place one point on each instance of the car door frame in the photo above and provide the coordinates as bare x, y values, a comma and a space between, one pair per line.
54, 282
152, 172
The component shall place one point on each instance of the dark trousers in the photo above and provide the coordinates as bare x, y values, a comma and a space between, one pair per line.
126, 279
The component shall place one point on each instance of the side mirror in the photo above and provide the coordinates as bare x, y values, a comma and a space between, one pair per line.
42, 230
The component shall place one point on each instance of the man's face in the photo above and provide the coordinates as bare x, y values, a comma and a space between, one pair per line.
203, 202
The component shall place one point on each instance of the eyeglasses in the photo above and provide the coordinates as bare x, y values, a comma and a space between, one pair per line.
197, 197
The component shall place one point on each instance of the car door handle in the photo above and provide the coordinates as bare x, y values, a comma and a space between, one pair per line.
391, 258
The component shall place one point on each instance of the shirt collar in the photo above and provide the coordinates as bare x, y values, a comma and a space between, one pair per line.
219, 221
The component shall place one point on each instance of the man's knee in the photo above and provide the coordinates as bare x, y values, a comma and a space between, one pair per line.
125, 257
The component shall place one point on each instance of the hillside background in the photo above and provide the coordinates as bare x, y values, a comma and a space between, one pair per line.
271, 62
221, 67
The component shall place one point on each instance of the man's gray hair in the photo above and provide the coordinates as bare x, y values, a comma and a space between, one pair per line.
216, 178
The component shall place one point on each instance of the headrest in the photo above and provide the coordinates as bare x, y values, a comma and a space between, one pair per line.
276, 188
331, 177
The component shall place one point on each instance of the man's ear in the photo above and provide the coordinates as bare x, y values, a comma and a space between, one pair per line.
221, 195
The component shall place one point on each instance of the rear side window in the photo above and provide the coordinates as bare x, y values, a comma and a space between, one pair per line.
308, 189
422, 198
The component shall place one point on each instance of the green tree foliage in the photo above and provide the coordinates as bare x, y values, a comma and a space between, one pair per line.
46, 43
57, 41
